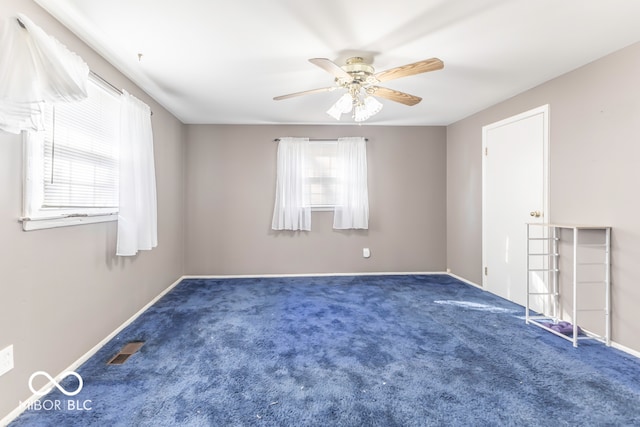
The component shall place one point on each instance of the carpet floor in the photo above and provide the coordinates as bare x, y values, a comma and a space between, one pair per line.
417, 350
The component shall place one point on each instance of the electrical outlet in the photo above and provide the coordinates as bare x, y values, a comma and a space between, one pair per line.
6, 360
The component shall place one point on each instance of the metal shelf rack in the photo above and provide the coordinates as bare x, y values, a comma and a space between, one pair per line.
543, 268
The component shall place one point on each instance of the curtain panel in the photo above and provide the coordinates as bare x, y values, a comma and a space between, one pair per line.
292, 209
137, 216
352, 195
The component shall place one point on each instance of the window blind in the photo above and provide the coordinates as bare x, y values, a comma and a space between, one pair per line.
81, 152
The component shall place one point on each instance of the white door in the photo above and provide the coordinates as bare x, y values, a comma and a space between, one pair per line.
515, 191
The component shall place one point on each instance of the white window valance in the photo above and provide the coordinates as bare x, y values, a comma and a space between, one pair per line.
35, 68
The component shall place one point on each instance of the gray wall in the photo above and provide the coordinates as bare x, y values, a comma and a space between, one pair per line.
62, 290
230, 195
594, 172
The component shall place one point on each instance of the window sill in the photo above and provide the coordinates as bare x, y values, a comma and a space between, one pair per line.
29, 224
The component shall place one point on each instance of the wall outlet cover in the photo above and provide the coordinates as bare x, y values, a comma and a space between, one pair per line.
6, 360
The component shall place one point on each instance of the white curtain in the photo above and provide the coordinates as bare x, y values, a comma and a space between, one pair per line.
292, 210
352, 196
137, 216
35, 68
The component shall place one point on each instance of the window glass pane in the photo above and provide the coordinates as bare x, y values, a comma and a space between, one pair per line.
321, 173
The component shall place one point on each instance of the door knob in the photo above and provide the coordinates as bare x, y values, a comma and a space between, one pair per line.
535, 214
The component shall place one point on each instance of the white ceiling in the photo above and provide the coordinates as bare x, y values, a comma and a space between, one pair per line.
221, 61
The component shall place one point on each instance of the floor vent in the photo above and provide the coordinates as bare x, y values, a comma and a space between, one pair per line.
126, 352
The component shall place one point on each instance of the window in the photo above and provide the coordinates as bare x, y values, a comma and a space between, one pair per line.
72, 167
322, 174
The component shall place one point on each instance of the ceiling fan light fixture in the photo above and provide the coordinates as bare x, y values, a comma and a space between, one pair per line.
360, 79
342, 106
334, 112
372, 105
367, 109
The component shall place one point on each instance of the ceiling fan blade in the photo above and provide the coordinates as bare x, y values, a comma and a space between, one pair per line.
410, 69
305, 92
394, 95
331, 67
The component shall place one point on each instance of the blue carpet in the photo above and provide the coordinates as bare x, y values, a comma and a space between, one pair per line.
346, 351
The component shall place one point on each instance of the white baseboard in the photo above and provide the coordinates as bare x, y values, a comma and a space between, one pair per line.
258, 276
26, 404
625, 349
468, 282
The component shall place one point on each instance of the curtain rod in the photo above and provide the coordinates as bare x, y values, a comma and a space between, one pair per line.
105, 81
318, 139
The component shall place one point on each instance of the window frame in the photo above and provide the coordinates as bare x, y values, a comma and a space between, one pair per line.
42, 217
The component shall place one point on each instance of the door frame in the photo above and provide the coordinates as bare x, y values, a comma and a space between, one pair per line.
544, 110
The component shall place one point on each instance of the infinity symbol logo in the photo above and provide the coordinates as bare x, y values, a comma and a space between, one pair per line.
55, 383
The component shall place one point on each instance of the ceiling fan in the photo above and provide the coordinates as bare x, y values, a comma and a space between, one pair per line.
360, 80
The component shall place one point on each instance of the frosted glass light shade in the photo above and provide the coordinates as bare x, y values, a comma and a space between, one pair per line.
342, 106
367, 109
